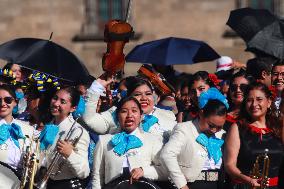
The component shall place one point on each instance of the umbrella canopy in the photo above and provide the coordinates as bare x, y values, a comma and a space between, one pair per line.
45, 56
171, 51
247, 21
269, 40
262, 31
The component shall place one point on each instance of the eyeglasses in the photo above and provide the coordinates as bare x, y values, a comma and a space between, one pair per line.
234, 87
277, 74
7, 99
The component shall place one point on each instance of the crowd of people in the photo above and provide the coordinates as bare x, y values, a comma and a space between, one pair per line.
213, 130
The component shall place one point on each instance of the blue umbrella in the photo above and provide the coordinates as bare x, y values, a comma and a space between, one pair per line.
171, 51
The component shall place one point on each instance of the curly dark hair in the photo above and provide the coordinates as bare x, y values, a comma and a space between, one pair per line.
271, 114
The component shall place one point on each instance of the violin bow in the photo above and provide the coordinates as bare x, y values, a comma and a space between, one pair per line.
128, 11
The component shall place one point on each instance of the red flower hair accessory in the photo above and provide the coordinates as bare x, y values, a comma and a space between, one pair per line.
214, 79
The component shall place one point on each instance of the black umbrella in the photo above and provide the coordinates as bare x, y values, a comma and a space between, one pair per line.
45, 56
247, 21
269, 40
261, 30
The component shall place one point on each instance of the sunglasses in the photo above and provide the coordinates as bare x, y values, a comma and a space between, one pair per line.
7, 100
234, 87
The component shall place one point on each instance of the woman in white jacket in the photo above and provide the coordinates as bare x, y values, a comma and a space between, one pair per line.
15, 136
193, 154
155, 120
73, 167
130, 154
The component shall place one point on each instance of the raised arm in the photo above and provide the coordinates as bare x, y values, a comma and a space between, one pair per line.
100, 123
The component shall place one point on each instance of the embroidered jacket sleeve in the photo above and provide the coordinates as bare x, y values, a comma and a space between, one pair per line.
169, 155
99, 166
78, 159
98, 122
155, 170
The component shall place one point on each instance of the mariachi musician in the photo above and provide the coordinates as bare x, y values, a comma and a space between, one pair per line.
65, 143
15, 135
155, 120
128, 156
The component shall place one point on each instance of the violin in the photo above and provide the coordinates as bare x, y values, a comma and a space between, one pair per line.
116, 34
156, 79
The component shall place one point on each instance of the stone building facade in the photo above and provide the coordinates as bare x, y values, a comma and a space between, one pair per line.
75, 25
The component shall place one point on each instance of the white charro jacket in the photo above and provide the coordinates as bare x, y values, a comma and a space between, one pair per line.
103, 123
76, 165
183, 157
108, 165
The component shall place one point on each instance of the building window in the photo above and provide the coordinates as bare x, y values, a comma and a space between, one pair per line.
274, 6
97, 14
109, 10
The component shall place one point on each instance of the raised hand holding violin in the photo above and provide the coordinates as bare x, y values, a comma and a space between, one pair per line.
116, 33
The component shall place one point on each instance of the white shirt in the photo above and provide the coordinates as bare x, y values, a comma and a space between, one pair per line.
125, 161
210, 164
14, 153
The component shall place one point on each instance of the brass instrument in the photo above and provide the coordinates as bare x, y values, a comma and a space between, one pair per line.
26, 164
262, 174
34, 164
31, 159
58, 157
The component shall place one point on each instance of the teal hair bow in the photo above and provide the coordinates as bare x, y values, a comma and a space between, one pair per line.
122, 142
47, 135
11, 130
148, 121
212, 94
213, 146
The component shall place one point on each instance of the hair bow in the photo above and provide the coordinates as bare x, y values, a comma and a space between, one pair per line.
212, 94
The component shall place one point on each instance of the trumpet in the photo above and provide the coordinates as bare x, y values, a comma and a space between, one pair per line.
262, 174
31, 159
58, 157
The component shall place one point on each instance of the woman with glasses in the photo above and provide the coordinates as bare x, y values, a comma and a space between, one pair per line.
15, 135
238, 85
128, 156
193, 154
155, 120
73, 166
254, 135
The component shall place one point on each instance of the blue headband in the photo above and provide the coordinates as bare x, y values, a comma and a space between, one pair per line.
212, 94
